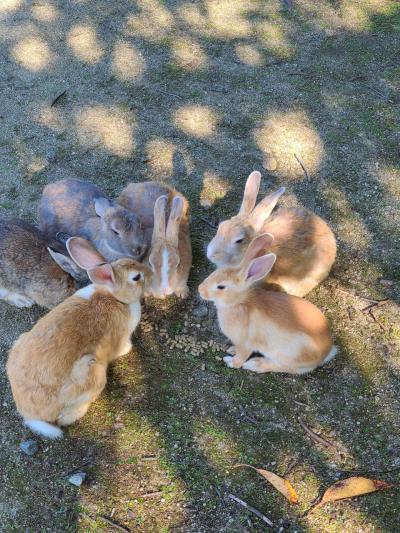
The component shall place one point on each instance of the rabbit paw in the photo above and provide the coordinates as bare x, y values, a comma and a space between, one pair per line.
231, 350
228, 360
182, 292
19, 301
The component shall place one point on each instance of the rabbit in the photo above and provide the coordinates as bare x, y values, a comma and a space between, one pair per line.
79, 208
32, 269
170, 256
303, 243
290, 333
59, 367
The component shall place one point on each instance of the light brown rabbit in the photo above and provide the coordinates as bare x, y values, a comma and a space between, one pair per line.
140, 198
303, 243
59, 367
291, 333
33, 269
171, 253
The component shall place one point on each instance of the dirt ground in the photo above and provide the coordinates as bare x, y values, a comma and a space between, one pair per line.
200, 93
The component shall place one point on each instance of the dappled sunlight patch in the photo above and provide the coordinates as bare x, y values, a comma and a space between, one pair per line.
347, 14
229, 18
273, 38
84, 43
33, 53
389, 177
106, 127
160, 154
153, 22
249, 55
10, 5
50, 118
128, 63
44, 12
198, 121
188, 54
214, 188
289, 140
217, 446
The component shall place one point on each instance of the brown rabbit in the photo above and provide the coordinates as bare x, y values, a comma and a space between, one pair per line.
303, 243
170, 253
32, 269
78, 207
59, 367
291, 333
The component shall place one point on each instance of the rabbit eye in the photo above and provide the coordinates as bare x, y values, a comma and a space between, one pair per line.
239, 241
136, 278
221, 287
115, 232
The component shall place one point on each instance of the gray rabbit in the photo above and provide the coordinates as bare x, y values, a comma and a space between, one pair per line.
80, 208
32, 270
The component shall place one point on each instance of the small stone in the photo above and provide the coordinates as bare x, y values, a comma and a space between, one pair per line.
201, 311
386, 282
29, 447
77, 479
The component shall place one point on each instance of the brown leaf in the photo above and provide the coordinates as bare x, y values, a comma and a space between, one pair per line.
281, 484
351, 487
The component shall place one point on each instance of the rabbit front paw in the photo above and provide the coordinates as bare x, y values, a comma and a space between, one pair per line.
231, 350
182, 292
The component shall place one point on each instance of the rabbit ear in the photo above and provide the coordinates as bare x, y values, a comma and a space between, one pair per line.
250, 193
101, 205
262, 211
259, 268
83, 253
257, 247
102, 275
159, 218
174, 220
66, 263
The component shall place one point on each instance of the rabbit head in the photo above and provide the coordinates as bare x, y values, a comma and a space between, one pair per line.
124, 278
121, 230
234, 235
164, 257
229, 285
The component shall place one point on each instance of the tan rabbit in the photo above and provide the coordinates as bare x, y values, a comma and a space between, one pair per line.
34, 269
59, 367
303, 243
291, 333
140, 198
171, 253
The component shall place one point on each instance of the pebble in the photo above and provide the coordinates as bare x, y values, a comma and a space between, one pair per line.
29, 447
77, 479
386, 282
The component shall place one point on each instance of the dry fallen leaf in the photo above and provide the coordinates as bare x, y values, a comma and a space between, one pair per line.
350, 488
281, 484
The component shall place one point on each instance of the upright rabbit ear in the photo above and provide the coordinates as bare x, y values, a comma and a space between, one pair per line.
257, 247
250, 193
101, 205
174, 220
259, 268
83, 253
264, 208
159, 218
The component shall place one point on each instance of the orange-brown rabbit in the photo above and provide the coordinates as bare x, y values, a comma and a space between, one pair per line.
303, 243
59, 367
291, 333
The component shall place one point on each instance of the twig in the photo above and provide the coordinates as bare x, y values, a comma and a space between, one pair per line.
302, 404
371, 314
58, 98
150, 494
113, 524
290, 467
302, 166
375, 303
169, 94
314, 436
251, 509
206, 221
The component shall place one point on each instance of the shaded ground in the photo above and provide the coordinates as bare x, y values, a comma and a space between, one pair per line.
199, 94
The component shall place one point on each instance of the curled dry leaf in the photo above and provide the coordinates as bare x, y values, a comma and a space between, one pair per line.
351, 487
281, 484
